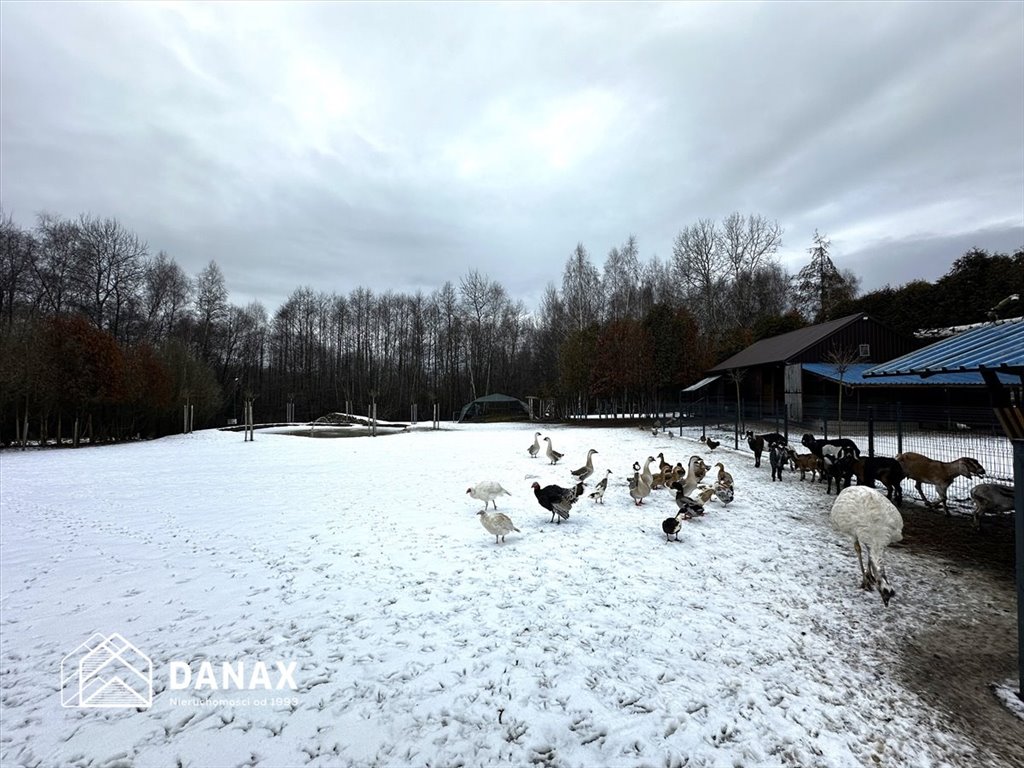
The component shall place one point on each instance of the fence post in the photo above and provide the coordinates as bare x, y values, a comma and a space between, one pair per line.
899, 428
871, 430
824, 427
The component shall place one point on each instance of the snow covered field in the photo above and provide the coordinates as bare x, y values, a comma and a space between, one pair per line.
416, 640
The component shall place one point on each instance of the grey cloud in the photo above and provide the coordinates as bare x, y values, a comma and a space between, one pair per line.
319, 144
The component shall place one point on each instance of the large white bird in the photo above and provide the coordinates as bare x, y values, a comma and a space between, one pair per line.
497, 523
487, 491
587, 469
551, 452
873, 523
535, 448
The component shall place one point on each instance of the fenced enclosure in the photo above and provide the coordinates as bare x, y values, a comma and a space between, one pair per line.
942, 434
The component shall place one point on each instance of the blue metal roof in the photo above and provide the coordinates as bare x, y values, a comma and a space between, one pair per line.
854, 377
999, 347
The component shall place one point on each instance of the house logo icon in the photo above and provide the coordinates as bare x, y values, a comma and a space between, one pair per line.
106, 672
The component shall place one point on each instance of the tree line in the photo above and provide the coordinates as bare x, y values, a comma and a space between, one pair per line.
101, 339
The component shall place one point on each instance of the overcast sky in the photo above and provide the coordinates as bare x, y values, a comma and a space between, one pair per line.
397, 146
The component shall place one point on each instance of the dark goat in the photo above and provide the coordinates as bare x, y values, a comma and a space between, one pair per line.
838, 467
816, 446
758, 442
778, 458
888, 471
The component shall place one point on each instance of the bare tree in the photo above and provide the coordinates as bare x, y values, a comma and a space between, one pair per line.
53, 272
622, 276
109, 270
582, 293
18, 250
842, 358
166, 294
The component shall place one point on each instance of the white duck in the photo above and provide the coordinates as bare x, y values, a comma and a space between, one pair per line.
487, 491
535, 448
497, 523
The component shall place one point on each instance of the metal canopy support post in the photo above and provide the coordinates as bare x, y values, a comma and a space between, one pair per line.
1018, 503
1011, 418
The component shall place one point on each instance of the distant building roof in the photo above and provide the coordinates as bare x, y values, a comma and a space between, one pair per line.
854, 377
783, 348
953, 330
995, 346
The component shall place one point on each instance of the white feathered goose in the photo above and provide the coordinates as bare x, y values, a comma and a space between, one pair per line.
487, 491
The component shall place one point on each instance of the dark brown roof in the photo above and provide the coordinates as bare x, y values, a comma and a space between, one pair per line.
782, 349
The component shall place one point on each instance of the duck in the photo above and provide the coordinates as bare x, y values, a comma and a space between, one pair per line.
551, 452
663, 466
535, 448
587, 469
688, 506
497, 523
598, 493
672, 525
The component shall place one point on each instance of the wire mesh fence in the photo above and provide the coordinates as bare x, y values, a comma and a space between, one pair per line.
942, 434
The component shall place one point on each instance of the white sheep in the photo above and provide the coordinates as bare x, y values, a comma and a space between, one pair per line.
873, 523
941, 474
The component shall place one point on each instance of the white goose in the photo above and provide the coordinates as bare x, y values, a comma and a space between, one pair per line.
535, 448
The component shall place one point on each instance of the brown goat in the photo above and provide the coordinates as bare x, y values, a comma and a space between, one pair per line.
941, 474
806, 462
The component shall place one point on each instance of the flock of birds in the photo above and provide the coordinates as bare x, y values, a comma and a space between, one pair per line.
690, 494
859, 512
